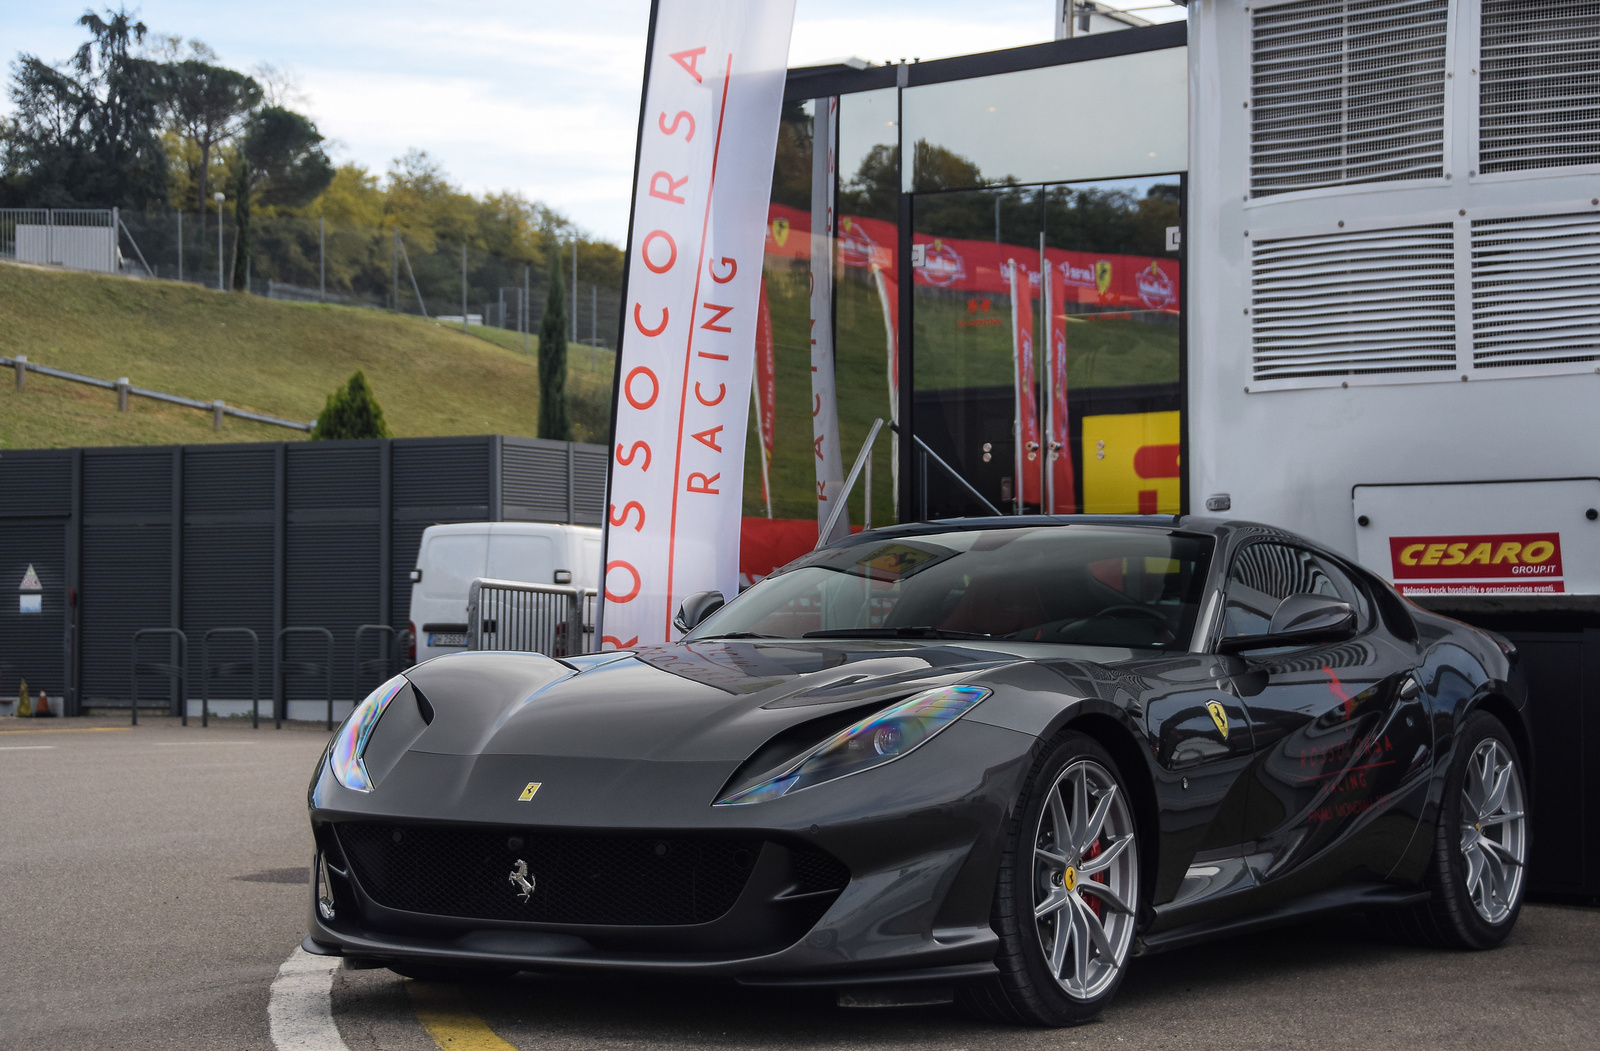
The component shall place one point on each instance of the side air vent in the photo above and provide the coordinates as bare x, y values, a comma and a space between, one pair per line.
1346, 92
1539, 84
1350, 304
1535, 290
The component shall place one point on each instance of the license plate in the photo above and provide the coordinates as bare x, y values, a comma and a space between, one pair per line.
447, 638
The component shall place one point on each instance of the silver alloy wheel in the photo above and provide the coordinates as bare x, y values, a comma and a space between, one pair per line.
1494, 830
1086, 879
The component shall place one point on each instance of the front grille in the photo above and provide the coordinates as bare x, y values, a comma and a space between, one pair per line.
816, 870
596, 879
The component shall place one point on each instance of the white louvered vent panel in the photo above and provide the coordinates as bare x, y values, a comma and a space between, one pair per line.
1539, 102
1535, 290
1350, 304
1346, 92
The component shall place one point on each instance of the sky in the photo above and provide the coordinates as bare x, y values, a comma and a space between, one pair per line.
540, 98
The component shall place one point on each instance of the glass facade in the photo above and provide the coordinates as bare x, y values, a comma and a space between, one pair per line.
1036, 325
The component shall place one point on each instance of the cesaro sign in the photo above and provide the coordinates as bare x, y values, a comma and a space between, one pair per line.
1477, 564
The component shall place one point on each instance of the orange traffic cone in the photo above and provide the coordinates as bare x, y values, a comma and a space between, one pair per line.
43, 707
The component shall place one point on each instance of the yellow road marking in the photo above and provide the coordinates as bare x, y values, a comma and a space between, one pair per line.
75, 730
445, 1016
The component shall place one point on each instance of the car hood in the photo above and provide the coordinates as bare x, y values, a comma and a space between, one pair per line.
697, 702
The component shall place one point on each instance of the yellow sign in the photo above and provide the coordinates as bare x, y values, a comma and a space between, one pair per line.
1069, 879
1219, 716
780, 231
1102, 275
528, 793
1130, 464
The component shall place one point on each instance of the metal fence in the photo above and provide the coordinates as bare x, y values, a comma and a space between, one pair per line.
81, 238
511, 615
311, 260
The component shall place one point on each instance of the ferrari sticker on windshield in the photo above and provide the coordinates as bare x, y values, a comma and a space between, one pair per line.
1218, 716
533, 786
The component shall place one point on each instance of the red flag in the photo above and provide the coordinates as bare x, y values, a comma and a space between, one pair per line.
1063, 498
1027, 457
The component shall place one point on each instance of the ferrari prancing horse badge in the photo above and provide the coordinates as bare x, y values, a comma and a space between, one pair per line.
1218, 716
533, 786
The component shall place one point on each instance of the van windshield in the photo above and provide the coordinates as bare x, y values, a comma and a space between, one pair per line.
1079, 585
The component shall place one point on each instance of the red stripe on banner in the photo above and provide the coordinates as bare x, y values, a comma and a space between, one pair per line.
688, 356
1063, 475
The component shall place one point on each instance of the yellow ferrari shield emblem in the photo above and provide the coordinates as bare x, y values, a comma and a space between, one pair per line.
780, 231
1102, 275
1069, 879
533, 787
1219, 716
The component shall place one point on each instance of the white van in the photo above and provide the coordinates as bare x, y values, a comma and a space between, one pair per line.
452, 556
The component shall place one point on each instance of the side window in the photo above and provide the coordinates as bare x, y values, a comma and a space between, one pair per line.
1265, 574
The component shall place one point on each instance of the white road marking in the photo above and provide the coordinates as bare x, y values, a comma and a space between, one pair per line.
300, 1005
25, 747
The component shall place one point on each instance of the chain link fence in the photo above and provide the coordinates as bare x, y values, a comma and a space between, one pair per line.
309, 260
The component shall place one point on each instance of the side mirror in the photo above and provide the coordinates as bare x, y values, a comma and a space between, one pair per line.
696, 608
1300, 619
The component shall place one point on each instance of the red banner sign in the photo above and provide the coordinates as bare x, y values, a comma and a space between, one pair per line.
1490, 556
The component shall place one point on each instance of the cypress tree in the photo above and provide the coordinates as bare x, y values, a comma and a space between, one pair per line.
352, 411
554, 421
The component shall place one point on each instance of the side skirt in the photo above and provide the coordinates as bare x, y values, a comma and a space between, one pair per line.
1354, 898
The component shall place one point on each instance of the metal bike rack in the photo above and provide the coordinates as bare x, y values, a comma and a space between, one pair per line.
282, 669
178, 671
230, 668
384, 664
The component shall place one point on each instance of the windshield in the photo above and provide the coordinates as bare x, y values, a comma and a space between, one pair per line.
1079, 585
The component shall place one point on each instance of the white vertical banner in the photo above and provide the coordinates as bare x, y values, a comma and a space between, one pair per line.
824, 393
708, 132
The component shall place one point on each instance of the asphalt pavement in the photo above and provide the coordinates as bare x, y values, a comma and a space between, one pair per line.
153, 881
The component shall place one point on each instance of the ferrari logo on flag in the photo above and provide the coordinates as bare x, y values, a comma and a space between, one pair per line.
780, 231
1102, 276
533, 787
1218, 716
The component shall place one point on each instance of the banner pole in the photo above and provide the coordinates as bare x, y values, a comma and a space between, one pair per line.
622, 321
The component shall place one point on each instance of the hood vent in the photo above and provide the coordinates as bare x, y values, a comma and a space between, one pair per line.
1539, 102
1346, 92
1348, 304
1535, 290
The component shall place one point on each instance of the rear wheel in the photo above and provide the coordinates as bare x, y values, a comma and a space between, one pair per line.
1480, 850
1068, 892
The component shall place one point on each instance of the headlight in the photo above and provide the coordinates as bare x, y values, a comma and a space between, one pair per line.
351, 740
898, 730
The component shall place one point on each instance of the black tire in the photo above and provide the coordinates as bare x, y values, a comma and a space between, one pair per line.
1026, 991
445, 973
1450, 918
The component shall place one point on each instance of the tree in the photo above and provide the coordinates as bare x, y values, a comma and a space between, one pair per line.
88, 133
280, 163
554, 421
352, 411
209, 104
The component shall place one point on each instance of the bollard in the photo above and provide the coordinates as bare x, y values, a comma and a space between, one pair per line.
22, 371
216, 415
122, 394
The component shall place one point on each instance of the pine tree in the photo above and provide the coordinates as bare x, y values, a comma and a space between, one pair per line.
352, 412
554, 421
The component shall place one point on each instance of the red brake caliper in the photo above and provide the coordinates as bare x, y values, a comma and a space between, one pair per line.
1099, 877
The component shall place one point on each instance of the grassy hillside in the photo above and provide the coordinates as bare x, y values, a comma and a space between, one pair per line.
269, 356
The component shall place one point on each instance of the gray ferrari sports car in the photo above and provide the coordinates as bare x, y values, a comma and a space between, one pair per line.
997, 756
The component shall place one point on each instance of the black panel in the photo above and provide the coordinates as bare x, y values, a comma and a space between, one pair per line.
117, 481
31, 643
331, 582
126, 586
227, 583
1562, 822
36, 483
533, 482
227, 481
588, 484
342, 474
433, 472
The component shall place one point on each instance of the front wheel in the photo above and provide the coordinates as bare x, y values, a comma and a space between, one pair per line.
1067, 895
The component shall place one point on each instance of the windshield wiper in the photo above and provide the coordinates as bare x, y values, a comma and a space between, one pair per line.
909, 632
735, 635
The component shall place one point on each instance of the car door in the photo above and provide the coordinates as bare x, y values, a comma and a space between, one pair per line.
1339, 728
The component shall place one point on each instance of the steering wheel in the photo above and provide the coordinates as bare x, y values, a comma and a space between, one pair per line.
1133, 611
